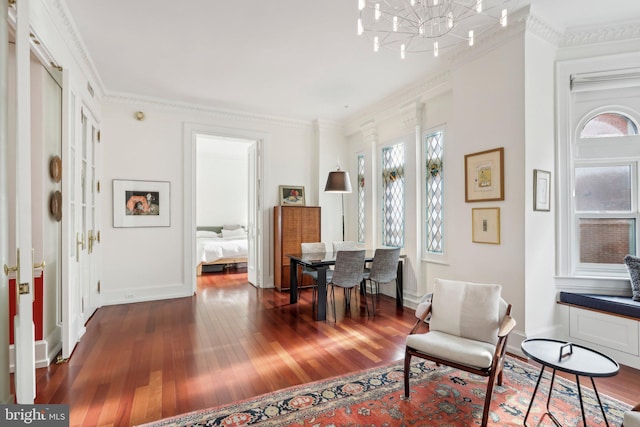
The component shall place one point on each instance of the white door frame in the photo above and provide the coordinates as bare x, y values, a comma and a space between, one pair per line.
254, 204
25, 367
5, 390
191, 131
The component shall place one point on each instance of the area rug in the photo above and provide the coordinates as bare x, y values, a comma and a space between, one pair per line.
440, 396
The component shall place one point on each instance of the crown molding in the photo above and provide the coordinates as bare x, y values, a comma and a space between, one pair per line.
327, 125
60, 13
596, 35
183, 107
417, 92
543, 30
489, 40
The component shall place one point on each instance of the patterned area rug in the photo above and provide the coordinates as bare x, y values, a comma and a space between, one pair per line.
440, 396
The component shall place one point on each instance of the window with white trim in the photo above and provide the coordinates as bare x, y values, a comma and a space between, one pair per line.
433, 150
393, 195
604, 183
361, 206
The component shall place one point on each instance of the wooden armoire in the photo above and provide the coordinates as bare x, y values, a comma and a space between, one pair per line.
292, 225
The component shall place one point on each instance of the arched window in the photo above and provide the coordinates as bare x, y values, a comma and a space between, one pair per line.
607, 125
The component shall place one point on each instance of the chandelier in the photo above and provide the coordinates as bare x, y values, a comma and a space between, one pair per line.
410, 26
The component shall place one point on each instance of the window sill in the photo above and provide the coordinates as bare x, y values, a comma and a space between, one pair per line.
594, 285
435, 261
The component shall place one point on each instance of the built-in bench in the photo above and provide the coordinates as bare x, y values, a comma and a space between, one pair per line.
610, 324
623, 306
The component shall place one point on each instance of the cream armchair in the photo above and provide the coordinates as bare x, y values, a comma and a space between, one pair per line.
468, 330
632, 418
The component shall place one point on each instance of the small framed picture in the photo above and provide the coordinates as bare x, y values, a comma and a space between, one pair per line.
484, 176
291, 195
541, 190
485, 225
141, 203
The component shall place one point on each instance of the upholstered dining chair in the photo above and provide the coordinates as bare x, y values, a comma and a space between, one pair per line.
384, 269
468, 330
346, 246
347, 274
312, 248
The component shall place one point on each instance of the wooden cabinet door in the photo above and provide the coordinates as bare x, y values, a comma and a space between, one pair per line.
310, 225
292, 226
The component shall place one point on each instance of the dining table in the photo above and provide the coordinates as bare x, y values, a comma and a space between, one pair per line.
321, 262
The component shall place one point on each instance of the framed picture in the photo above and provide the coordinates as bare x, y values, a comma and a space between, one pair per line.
141, 203
484, 176
291, 195
485, 225
541, 190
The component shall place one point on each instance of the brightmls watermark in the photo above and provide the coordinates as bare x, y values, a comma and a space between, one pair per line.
34, 415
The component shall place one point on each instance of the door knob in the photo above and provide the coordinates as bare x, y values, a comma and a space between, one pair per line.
79, 245
90, 239
8, 269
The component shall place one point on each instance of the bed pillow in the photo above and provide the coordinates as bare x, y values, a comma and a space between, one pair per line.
231, 227
234, 233
633, 265
204, 233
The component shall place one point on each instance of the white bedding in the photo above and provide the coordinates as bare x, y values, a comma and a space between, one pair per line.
211, 249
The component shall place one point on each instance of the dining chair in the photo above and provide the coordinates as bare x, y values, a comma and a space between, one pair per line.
347, 274
311, 248
384, 269
346, 246
468, 330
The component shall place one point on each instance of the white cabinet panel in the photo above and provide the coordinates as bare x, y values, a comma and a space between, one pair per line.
609, 331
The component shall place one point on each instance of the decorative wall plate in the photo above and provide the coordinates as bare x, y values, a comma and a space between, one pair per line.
55, 168
55, 205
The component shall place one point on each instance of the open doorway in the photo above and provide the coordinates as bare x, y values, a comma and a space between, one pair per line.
222, 204
254, 219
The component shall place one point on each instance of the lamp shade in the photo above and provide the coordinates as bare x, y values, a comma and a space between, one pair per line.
338, 182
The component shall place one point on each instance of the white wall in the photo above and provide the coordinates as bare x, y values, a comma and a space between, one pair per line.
222, 187
487, 112
481, 105
540, 255
146, 263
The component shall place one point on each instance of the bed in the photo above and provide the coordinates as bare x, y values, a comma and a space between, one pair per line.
220, 246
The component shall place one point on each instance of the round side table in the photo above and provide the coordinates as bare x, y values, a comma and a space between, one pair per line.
573, 359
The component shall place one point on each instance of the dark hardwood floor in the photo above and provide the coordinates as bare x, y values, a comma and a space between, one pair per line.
145, 361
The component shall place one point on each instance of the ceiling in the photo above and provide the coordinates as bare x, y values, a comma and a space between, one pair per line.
294, 58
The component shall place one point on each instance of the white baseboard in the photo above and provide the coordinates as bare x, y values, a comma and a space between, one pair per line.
41, 355
127, 296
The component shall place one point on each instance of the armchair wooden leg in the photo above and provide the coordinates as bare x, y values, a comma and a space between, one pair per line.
407, 368
487, 400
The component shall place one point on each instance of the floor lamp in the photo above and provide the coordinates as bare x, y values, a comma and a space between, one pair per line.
338, 182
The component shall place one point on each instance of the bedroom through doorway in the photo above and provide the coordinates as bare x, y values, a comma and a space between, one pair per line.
222, 206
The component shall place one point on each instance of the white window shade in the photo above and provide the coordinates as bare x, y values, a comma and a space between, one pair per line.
605, 80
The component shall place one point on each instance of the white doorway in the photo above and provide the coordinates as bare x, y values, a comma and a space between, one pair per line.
252, 176
222, 200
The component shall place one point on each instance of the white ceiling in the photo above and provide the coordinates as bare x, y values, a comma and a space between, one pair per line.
294, 58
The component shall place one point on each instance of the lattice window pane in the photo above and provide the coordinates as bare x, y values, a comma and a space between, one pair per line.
393, 193
435, 219
361, 217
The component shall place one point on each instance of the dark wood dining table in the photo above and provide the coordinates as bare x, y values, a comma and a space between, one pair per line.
321, 261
